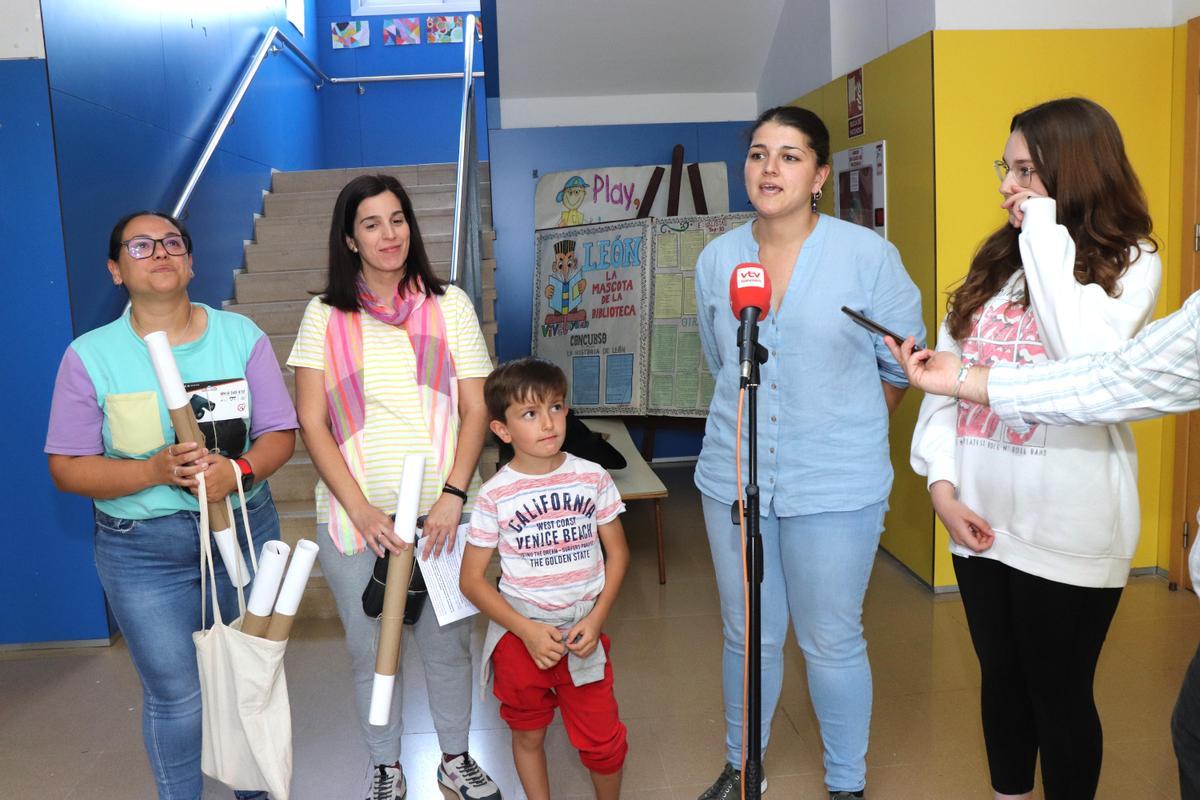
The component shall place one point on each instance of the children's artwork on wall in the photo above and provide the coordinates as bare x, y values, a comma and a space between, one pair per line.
607, 194
355, 33
591, 307
402, 30
443, 29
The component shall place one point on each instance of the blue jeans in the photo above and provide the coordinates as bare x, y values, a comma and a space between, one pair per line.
815, 569
150, 571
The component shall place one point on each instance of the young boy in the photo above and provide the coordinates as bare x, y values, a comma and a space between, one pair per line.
548, 513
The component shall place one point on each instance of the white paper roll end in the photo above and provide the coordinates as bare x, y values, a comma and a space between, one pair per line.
381, 699
231, 555
408, 500
270, 574
165, 369
292, 590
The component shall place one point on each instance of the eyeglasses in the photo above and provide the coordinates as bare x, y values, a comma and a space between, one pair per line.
1023, 175
175, 244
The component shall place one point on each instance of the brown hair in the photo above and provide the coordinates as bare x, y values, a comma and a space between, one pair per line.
520, 380
1078, 153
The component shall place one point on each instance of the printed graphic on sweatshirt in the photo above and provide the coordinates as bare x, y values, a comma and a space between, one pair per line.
222, 407
1004, 333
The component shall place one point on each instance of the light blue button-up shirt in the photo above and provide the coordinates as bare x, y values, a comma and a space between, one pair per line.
822, 418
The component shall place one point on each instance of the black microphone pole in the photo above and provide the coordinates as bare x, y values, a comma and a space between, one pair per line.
752, 734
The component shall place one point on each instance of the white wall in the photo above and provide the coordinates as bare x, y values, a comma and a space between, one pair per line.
861, 30
1043, 14
21, 29
798, 60
1183, 10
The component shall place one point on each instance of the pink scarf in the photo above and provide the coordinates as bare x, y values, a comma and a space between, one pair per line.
421, 317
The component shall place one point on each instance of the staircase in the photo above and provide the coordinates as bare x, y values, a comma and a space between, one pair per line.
286, 264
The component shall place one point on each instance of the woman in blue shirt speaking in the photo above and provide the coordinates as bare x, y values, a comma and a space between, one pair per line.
825, 473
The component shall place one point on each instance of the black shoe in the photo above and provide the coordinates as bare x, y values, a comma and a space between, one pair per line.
728, 785
846, 795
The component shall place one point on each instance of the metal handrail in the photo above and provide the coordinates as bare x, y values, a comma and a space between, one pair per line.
466, 150
264, 48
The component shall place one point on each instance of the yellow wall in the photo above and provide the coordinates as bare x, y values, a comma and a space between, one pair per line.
899, 108
943, 102
979, 83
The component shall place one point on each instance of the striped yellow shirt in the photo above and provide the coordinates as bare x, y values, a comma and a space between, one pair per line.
395, 420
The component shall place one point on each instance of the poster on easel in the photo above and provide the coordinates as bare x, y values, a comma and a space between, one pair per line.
591, 304
860, 185
606, 194
680, 383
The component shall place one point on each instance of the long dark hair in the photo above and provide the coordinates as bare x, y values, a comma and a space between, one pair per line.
341, 290
118, 231
1078, 153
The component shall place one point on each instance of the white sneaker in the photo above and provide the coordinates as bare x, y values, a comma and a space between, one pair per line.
467, 779
388, 783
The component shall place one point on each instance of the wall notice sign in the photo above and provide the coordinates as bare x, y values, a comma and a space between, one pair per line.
854, 102
860, 185
591, 305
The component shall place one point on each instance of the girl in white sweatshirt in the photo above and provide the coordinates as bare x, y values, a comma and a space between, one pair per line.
1044, 521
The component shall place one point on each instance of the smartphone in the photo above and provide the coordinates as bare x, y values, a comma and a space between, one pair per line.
872, 325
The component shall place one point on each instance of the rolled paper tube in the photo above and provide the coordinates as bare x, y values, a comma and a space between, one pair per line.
183, 420
395, 595
292, 590
266, 587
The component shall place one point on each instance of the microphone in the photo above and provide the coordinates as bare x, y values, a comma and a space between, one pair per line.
750, 300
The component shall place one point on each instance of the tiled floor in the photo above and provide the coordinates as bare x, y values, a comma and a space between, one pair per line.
69, 721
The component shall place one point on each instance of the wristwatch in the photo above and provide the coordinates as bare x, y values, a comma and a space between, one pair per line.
247, 473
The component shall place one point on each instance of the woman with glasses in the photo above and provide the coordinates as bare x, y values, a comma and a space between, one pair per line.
110, 439
1043, 522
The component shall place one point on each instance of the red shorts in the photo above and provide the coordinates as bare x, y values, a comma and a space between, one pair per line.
528, 696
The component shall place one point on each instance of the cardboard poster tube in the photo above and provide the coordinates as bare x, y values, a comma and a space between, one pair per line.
292, 590
266, 587
395, 595
183, 420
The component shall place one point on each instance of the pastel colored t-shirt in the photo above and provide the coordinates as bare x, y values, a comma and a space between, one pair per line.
395, 420
107, 401
546, 528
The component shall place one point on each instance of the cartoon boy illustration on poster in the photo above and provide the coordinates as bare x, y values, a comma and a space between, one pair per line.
566, 284
571, 196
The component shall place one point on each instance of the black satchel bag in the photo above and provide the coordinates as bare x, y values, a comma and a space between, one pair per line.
372, 596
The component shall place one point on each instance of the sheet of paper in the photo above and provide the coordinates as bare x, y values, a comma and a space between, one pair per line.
687, 389
687, 352
662, 390
441, 579
667, 251
689, 296
662, 348
668, 296
690, 245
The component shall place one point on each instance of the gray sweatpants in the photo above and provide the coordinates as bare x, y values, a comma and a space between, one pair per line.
445, 653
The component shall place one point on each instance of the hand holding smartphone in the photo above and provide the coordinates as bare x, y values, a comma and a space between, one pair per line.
873, 326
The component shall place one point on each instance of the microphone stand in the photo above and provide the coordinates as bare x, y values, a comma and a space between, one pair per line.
752, 734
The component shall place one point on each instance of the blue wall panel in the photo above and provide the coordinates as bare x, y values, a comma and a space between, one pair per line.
136, 89
48, 585
409, 122
517, 152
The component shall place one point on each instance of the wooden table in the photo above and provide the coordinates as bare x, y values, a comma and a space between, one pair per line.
637, 481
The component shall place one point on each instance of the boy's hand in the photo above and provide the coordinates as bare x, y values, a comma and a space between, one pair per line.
584, 636
544, 643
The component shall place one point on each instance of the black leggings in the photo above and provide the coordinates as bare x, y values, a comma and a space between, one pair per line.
1037, 642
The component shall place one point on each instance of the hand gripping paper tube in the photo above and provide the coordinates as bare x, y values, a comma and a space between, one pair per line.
292, 590
188, 430
395, 595
266, 587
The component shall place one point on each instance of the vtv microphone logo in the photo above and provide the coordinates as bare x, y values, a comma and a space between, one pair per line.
751, 277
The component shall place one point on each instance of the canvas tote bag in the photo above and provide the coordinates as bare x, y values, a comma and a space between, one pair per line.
247, 719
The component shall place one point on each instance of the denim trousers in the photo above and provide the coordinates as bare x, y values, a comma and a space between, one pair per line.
150, 571
815, 571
